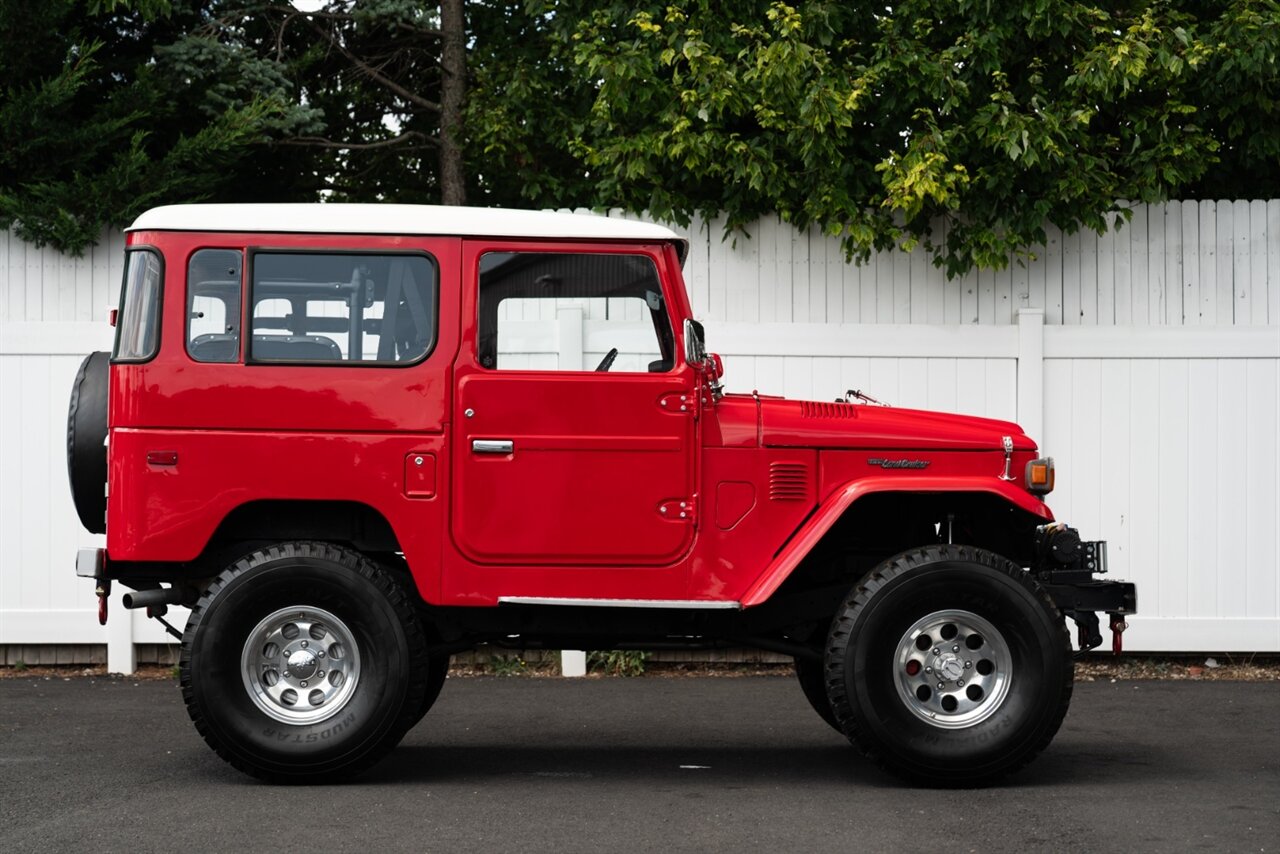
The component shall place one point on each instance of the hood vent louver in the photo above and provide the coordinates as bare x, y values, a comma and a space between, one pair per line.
788, 482
813, 409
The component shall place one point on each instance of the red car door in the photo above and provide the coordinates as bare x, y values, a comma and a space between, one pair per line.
556, 462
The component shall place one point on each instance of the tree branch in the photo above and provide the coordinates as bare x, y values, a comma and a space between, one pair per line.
429, 32
321, 142
373, 73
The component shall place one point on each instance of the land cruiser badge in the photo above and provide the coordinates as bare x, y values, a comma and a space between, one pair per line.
897, 464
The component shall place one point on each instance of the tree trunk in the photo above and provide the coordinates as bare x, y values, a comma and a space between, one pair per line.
453, 89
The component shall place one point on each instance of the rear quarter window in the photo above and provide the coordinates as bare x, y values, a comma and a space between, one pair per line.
342, 308
138, 325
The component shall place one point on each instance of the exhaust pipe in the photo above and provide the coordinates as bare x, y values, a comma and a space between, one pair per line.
159, 596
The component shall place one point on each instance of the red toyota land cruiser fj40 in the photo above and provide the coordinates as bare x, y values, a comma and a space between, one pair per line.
358, 439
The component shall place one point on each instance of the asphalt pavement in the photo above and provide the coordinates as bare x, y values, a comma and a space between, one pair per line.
650, 764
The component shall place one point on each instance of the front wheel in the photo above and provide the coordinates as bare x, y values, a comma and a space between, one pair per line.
299, 662
948, 666
437, 672
810, 674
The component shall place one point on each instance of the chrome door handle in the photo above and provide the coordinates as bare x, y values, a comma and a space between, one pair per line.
492, 446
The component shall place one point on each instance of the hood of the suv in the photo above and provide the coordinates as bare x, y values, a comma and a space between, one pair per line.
811, 424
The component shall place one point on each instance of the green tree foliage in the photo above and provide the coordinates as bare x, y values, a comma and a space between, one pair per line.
1237, 94
876, 120
110, 107
528, 103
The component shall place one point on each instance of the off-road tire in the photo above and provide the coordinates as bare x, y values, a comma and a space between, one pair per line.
811, 675
433, 676
86, 433
383, 627
437, 672
862, 664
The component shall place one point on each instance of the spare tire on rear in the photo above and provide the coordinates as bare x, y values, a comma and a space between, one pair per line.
86, 442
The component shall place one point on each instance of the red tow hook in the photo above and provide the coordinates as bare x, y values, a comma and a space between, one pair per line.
103, 590
1118, 625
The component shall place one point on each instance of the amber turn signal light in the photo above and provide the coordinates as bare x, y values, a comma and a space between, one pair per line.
1040, 476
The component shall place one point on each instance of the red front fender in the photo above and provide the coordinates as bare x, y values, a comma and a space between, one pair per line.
817, 525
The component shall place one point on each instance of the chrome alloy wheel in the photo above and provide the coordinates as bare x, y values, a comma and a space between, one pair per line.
953, 669
300, 665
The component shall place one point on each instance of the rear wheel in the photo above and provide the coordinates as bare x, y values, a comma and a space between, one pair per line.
948, 665
298, 663
432, 677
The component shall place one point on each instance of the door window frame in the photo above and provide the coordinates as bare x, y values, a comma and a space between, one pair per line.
474, 249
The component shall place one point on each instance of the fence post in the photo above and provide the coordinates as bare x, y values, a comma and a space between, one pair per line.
1031, 372
573, 662
569, 338
120, 652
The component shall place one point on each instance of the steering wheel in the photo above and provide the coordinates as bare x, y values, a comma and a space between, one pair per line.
607, 361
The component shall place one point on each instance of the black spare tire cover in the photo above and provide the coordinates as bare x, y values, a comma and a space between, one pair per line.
86, 437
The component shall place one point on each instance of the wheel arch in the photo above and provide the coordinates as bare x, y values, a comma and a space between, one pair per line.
989, 509
352, 523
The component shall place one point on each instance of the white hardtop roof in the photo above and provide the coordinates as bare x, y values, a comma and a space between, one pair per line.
335, 218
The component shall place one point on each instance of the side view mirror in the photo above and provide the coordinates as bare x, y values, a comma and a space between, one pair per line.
695, 351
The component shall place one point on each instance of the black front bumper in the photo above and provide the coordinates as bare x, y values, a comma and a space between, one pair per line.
1067, 568
1113, 597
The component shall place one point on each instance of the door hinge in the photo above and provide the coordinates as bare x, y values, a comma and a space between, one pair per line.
678, 402
677, 509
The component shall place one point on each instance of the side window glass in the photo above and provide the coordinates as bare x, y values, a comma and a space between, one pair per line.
213, 305
342, 307
554, 311
138, 327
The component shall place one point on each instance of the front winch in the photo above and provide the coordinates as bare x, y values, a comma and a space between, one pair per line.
1066, 566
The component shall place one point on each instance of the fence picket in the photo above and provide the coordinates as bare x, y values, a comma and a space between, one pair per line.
1190, 264
1140, 246
1170, 306
1257, 263
1224, 268
1242, 262
1273, 261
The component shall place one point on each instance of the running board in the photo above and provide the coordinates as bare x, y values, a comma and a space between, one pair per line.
697, 604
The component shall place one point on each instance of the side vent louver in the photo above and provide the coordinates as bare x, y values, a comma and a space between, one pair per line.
788, 482
812, 409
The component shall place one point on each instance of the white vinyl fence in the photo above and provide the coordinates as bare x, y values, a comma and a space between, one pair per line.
1146, 361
